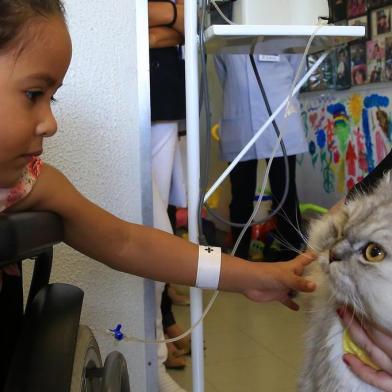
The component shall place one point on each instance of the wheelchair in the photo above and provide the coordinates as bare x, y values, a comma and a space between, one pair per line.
50, 351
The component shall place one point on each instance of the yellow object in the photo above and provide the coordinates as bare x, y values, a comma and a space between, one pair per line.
349, 347
213, 201
215, 132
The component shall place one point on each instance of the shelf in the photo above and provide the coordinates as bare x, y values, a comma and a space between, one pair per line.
273, 39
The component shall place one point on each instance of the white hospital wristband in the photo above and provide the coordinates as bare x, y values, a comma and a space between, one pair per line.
208, 267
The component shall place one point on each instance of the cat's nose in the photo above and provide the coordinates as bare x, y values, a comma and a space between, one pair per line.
333, 257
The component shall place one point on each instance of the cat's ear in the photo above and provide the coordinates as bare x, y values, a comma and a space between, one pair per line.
388, 177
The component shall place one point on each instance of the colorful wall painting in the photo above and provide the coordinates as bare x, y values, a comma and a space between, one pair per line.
348, 135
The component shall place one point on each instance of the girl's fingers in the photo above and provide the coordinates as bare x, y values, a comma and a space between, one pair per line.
305, 258
301, 261
379, 379
298, 283
290, 304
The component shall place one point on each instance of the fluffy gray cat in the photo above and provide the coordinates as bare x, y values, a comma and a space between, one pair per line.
354, 268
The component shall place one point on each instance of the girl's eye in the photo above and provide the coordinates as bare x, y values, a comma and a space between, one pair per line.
33, 95
373, 252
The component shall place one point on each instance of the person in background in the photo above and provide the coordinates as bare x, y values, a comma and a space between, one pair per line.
244, 112
167, 92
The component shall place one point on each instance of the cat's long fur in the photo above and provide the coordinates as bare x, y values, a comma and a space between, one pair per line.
365, 286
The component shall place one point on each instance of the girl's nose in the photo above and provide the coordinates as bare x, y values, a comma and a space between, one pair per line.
48, 125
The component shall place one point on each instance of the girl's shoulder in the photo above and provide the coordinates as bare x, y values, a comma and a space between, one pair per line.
10, 196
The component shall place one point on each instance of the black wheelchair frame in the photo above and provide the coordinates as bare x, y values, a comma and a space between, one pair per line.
44, 354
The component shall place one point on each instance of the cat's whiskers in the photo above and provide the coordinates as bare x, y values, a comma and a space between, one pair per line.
285, 243
303, 237
322, 309
358, 310
295, 225
348, 303
358, 307
315, 311
331, 299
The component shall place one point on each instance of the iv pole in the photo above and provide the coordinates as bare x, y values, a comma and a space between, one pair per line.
193, 170
193, 164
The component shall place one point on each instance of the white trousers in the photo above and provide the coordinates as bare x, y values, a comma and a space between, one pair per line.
164, 145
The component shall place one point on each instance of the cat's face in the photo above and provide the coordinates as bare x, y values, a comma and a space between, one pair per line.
355, 246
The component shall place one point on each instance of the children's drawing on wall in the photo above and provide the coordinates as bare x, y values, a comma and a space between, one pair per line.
348, 136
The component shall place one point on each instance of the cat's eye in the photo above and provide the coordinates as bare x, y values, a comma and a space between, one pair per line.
373, 252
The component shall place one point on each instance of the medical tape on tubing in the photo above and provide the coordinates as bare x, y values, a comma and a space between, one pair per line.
208, 267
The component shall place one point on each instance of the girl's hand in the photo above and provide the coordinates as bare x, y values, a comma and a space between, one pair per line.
278, 281
378, 346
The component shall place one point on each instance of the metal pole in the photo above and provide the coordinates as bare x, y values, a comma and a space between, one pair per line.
193, 168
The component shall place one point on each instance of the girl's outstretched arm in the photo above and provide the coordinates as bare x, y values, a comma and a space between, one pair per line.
151, 253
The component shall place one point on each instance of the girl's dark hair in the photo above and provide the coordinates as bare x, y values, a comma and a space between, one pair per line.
14, 15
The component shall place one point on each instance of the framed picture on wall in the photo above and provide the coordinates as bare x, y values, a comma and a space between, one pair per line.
323, 76
356, 8
343, 73
358, 64
375, 59
380, 21
337, 9
388, 57
378, 3
360, 21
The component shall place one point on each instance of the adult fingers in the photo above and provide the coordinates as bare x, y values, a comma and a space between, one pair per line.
379, 379
380, 337
374, 350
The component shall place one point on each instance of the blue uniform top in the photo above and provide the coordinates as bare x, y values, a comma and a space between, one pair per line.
244, 111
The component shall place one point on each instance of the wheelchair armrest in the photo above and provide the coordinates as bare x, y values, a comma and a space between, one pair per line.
26, 234
43, 359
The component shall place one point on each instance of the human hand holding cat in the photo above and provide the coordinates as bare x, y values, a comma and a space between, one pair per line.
378, 346
279, 280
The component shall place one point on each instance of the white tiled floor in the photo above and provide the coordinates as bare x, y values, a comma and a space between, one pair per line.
250, 347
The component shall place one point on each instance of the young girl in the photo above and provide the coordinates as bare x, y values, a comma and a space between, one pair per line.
35, 52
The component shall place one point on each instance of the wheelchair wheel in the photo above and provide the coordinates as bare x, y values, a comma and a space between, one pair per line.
87, 358
115, 374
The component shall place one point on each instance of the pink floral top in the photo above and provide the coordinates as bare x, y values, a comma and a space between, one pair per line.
10, 196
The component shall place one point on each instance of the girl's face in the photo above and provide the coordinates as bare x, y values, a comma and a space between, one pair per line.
30, 74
